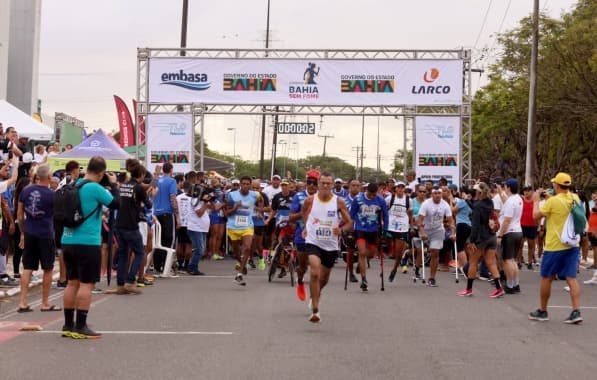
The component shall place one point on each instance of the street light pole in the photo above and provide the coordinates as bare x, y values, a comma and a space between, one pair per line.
297, 156
234, 142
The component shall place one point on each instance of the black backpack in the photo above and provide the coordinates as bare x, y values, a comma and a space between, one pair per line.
394, 196
67, 205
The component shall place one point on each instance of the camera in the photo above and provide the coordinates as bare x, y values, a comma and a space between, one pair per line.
105, 181
205, 194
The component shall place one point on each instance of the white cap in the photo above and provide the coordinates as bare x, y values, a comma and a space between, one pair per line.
477, 187
27, 157
338, 180
276, 176
399, 183
235, 182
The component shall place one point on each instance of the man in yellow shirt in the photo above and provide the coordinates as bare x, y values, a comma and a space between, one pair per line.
558, 258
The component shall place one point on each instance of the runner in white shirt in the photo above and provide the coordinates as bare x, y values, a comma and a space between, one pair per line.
510, 234
322, 212
400, 226
432, 214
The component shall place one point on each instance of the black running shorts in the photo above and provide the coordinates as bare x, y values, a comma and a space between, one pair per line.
83, 262
328, 258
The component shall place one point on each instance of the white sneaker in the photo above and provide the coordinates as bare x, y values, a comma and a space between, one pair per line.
592, 281
567, 288
315, 318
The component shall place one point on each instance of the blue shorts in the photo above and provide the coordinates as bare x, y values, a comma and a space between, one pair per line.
563, 263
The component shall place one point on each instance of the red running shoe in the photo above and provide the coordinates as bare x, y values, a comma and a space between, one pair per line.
300, 292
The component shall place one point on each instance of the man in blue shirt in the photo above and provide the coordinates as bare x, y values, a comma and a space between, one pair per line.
82, 249
165, 208
366, 210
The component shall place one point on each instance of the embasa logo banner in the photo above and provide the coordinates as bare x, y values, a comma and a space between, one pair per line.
305, 81
437, 151
169, 138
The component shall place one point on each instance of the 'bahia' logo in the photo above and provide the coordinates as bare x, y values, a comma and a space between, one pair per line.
190, 81
429, 77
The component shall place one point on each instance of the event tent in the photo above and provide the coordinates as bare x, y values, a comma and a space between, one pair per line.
98, 144
11, 116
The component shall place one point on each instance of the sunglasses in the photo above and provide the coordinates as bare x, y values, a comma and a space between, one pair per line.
311, 182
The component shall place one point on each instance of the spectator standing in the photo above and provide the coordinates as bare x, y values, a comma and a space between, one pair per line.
133, 199
7, 225
510, 234
35, 214
559, 259
165, 209
82, 249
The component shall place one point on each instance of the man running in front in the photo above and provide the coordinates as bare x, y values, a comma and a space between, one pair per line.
296, 214
239, 210
321, 234
366, 210
432, 215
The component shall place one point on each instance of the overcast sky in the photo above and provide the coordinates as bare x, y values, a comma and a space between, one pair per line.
88, 52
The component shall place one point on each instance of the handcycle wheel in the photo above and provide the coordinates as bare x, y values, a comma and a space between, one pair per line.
274, 263
292, 270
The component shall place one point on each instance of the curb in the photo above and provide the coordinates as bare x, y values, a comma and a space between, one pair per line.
17, 289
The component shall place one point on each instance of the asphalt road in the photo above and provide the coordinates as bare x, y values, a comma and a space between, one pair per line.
209, 328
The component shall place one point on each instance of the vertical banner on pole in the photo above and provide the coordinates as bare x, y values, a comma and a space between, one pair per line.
169, 138
438, 148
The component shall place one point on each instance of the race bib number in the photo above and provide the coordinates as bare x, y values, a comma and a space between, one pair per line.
241, 220
397, 212
324, 233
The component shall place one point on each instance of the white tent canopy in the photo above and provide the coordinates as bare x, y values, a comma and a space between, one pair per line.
11, 116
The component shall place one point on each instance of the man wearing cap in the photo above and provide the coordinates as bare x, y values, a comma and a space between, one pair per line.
366, 211
509, 235
280, 213
558, 258
296, 217
400, 225
338, 190
411, 180
529, 227
271, 191
432, 214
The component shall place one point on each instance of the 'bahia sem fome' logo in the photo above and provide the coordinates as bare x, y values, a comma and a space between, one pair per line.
307, 89
430, 77
189, 81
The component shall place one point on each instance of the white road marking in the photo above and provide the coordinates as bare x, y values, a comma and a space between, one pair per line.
569, 307
150, 332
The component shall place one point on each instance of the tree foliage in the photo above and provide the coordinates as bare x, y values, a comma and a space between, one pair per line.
566, 100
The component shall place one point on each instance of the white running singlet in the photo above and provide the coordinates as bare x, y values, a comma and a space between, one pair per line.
322, 219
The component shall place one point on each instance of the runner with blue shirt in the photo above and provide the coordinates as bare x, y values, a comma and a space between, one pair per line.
366, 211
239, 210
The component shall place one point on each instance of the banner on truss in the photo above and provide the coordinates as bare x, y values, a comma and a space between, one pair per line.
169, 138
305, 81
437, 150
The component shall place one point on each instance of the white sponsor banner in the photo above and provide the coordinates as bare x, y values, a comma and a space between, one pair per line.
437, 151
305, 82
169, 138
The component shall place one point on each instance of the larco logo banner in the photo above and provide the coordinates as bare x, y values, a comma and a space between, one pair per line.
305, 81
